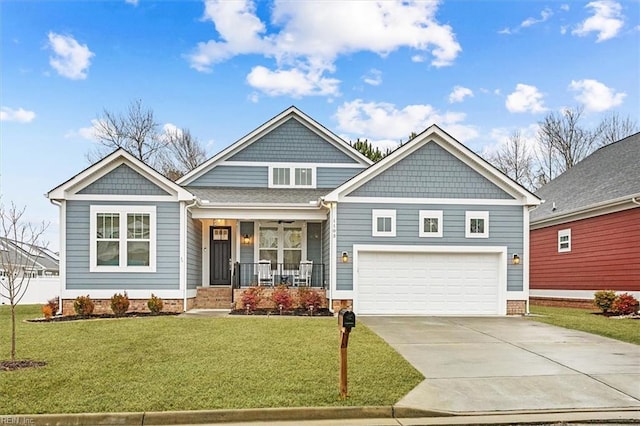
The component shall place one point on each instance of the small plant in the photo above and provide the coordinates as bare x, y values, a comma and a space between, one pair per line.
282, 298
154, 304
54, 304
624, 304
83, 305
119, 304
46, 311
309, 299
251, 298
603, 299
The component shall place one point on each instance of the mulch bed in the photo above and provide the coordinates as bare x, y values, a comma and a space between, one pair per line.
19, 364
322, 312
100, 316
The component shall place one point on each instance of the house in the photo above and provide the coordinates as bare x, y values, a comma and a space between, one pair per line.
33, 261
586, 235
430, 229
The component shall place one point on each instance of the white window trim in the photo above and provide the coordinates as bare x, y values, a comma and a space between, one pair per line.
564, 233
292, 175
476, 215
375, 214
430, 214
281, 227
94, 210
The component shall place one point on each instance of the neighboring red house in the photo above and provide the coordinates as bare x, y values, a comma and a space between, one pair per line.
586, 235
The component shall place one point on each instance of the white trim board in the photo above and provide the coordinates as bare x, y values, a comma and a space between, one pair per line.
574, 294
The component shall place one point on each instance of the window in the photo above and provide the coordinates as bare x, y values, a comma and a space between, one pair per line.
477, 224
122, 239
292, 177
383, 223
564, 240
430, 223
282, 243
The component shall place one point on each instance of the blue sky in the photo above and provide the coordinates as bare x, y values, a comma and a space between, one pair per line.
363, 69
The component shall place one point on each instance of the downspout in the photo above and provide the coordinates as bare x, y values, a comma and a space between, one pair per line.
184, 255
321, 203
634, 201
61, 275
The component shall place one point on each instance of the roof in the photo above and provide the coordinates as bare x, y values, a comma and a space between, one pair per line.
262, 196
456, 148
26, 255
609, 176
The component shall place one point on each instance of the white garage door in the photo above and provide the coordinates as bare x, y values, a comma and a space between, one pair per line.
401, 283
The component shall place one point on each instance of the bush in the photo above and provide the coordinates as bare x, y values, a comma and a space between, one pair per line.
83, 305
53, 304
309, 298
282, 298
120, 304
154, 304
251, 298
603, 299
625, 304
46, 311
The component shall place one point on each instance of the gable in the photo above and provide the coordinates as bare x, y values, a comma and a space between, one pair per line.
430, 172
123, 180
292, 142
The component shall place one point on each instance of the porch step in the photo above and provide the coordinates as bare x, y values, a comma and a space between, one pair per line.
213, 298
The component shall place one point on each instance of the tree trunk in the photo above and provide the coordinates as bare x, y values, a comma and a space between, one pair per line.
13, 332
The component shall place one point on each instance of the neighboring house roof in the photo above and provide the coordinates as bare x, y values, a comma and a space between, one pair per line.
608, 180
72, 188
257, 196
22, 254
288, 114
435, 133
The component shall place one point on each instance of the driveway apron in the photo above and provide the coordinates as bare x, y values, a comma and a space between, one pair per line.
489, 364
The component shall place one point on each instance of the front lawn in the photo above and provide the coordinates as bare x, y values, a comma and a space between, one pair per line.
627, 330
178, 363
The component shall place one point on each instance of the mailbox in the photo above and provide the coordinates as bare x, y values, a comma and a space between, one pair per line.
346, 318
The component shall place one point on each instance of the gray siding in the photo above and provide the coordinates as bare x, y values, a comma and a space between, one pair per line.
314, 242
354, 227
167, 275
431, 172
292, 142
326, 248
246, 250
123, 180
234, 177
194, 252
334, 177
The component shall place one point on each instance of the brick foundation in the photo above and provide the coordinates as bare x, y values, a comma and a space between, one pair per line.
213, 298
516, 307
267, 303
338, 304
563, 303
103, 306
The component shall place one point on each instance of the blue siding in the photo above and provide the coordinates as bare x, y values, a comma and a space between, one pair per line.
167, 275
354, 227
292, 142
334, 177
123, 180
246, 250
194, 252
314, 242
430, 172
234, 177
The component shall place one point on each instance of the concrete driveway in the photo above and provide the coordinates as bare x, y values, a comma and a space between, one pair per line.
480, 365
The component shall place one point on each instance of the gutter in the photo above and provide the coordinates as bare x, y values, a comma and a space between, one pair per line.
184, 254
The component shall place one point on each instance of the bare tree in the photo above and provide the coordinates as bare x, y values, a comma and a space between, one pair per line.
183, 153
612, 128
19, 242
515, 160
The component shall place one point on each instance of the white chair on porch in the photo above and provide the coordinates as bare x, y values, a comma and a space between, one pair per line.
303, 277
265, 275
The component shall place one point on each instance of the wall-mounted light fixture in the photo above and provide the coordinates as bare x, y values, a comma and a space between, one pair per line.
516, 259
345, 257
246, 239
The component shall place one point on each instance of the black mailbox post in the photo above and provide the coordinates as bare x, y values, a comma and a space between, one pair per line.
346, 318
346, 321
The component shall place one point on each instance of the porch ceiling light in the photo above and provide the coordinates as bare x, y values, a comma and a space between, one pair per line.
516, 259
345, 257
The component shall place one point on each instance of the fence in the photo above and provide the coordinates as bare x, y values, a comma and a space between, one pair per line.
39, 291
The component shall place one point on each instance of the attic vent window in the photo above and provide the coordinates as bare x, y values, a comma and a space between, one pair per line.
291, 177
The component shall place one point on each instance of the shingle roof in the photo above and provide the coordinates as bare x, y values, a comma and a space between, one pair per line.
610, 173
252, 196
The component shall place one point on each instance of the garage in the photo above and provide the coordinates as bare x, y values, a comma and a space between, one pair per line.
395, 282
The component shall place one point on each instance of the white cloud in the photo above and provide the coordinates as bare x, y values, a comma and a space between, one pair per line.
459, 93
564, 7
294, 82
563, 29
385, 123
133, 2
373, 77
19, 115
71, 59
88, 133
544, 15
306, 38
596, 96
500, 137
525, 98
607, 20
505, 30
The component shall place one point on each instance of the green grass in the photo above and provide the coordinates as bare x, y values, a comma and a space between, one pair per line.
627, 330
177, 363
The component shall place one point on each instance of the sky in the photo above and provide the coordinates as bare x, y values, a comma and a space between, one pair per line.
364, 69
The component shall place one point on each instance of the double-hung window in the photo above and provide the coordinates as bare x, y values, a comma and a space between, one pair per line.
430, 223
564, 240
122, 239
282, 244
476, 224
383, 223
291, 177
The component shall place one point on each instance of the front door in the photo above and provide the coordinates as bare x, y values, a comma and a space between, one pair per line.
220, 255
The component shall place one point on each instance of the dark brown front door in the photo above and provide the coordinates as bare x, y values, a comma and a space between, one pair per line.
220, 255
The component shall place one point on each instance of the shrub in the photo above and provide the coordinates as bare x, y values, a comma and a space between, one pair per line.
603, 299
154, 304
83, 305
120, 304
251, 298
46, 311
282, 297
625, 304
309, 298
54, 304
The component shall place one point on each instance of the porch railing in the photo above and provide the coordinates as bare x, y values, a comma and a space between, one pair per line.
246, 275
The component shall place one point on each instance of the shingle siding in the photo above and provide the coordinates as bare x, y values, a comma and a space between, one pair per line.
430, 172
234, 177
123, 180
331, 178
354, 227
